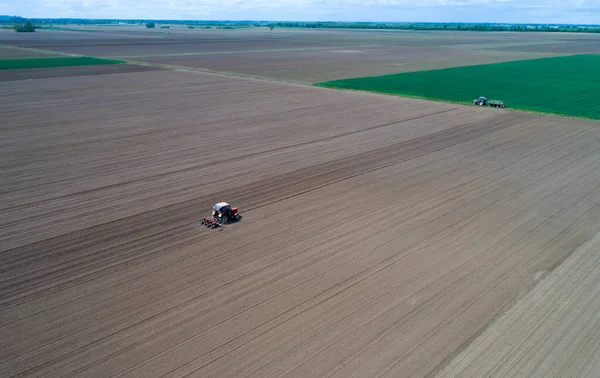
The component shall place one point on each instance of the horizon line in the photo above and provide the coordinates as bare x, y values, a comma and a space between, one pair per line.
303, 21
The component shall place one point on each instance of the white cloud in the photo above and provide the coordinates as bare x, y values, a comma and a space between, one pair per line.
564, 11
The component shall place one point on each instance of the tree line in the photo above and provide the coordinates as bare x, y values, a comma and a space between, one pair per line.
440, 26
490, 27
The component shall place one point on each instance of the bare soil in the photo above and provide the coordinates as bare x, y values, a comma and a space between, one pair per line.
14, 53
380, 235
318, 64
552, 332
307, 56
42, 73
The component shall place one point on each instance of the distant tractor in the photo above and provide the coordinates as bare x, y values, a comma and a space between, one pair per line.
482, 101
222, 213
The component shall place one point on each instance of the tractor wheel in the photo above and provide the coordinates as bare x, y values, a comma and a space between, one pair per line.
202, 221
224, 219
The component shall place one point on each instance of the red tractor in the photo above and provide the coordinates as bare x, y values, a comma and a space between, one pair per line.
222, 213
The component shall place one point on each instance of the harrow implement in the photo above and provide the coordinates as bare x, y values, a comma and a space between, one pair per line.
222, 213
210, 222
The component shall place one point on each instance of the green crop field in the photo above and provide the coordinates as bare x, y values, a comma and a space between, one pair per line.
12, 64
568, 85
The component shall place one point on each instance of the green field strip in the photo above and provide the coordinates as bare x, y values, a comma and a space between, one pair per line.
13, 64
565, 85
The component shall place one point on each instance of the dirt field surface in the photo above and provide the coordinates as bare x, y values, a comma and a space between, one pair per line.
553, 332
380, 235
307, 56
308, 66
41, 73
12, 53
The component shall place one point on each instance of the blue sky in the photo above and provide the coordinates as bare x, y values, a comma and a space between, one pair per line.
524, 11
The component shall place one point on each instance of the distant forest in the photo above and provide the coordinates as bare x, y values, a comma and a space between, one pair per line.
444, 26
496, 27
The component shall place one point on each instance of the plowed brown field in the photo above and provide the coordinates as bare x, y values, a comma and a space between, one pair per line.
305, 55
380, 235
65, 72
552, 332
13, 53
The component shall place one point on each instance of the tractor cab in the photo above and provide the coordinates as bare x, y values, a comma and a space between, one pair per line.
480, 101
221, 208
224, 213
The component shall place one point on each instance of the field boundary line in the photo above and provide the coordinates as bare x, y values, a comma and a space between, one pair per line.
43, 51
174, 67
221, 73
511, 110
573, 266
409, 84
158, 65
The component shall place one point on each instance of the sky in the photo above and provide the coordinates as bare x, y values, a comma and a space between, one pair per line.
509, 11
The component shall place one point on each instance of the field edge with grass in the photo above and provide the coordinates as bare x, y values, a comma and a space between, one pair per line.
566, 85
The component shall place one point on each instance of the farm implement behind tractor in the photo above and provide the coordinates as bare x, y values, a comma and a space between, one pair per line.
222, 213
482, 101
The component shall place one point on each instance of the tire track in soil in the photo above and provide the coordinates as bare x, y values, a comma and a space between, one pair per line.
179, 215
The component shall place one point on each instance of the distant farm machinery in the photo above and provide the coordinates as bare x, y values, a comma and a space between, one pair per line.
222, 213
482, 101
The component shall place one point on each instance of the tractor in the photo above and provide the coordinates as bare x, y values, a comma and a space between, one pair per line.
482, 101
222, 213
